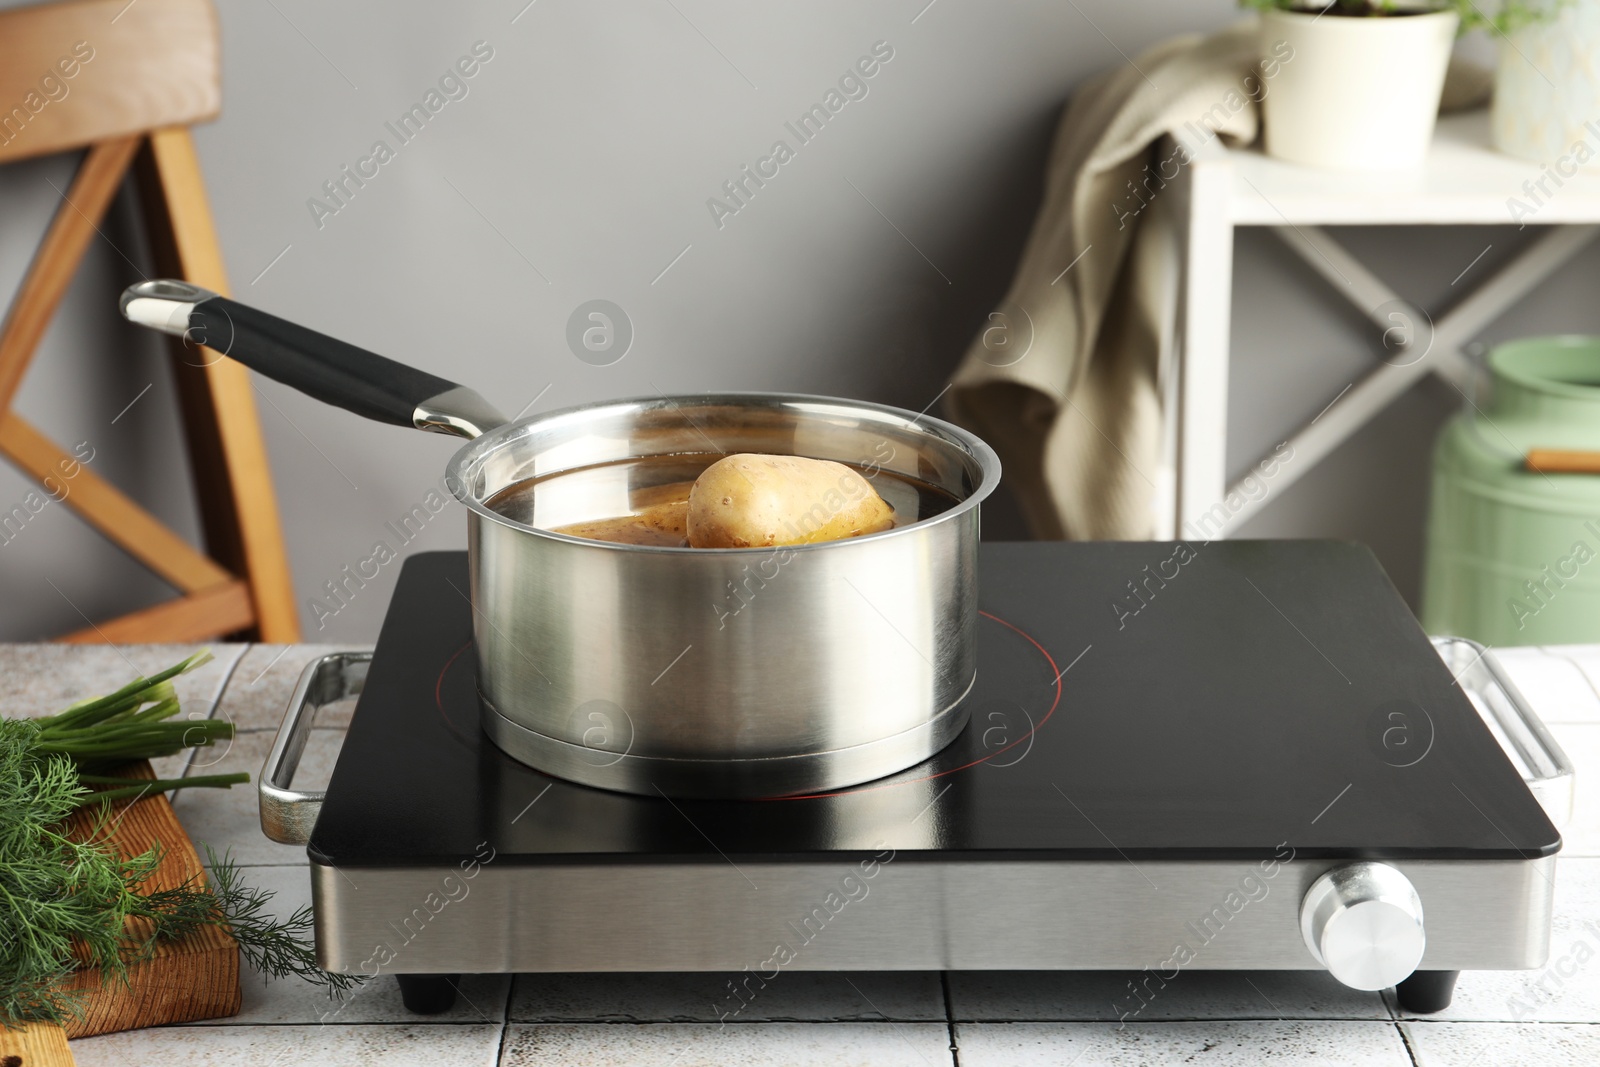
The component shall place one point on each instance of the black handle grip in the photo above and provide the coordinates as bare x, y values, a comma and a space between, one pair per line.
318, 365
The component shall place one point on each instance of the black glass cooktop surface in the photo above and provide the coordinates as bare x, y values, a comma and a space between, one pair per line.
1134, 700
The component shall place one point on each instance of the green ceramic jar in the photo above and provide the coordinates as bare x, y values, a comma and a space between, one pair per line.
1513, 557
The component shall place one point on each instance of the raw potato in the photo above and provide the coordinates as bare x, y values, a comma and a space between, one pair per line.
755, 501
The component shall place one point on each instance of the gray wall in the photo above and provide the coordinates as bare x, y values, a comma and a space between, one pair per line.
578, 167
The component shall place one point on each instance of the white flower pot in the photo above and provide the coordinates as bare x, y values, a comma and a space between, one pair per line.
1354, 93
1547, 86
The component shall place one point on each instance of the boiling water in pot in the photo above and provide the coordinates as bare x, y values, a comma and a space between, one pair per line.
644, 501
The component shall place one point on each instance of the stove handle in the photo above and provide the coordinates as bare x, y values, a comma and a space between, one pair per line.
1518, 728
287, 815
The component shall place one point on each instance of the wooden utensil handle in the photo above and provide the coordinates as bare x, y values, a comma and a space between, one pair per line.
1563, 461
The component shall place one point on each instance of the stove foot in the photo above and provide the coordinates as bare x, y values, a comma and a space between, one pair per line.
1426, 992
427, 994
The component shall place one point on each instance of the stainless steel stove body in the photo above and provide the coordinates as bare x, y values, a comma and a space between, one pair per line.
1180, 757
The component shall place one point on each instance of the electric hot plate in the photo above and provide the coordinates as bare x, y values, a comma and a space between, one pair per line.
1211, 756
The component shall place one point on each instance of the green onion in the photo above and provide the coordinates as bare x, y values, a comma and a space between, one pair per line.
134, 723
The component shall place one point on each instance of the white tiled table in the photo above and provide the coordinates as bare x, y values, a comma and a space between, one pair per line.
916, 1019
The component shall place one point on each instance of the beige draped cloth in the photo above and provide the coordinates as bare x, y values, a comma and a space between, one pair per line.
1063, 379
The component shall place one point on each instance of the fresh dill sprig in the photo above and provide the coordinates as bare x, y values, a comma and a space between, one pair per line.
62, 900
278, 948
71, 902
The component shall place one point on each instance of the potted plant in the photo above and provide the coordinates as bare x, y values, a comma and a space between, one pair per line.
1358, 81
1547, 85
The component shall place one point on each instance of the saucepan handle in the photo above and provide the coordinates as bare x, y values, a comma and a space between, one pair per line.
287, 815
318, 365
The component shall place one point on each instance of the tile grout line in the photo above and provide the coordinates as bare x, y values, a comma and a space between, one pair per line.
505, 1019
261, 866
228, 1022
1224, 1017
211, 713
1405, 1042
878, 1018
274, 729
505, 1029
949, 1018
756, 1024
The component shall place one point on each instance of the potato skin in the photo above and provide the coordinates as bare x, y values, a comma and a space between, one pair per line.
748, 500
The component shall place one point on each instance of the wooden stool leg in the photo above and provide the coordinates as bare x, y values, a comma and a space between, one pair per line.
58, 257
156, 72
215, 602
238, 506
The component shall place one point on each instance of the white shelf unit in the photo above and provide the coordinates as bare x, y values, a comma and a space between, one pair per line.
1463, 182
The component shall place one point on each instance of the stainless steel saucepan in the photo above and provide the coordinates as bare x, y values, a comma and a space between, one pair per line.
680, 671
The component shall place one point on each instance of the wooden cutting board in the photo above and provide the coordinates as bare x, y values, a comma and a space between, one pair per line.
35, 1045
196, 978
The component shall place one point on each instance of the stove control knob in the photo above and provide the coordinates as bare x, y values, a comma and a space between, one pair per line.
1363, 922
